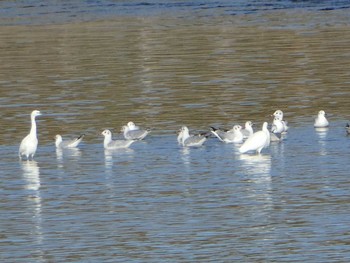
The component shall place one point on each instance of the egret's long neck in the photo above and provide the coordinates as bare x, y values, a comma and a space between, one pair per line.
33, 127
266, 132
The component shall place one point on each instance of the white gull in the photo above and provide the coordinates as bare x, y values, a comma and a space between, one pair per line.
69, 143
279, 115
321, 120
231, 136
190, 140
110, 144
248, 129
132, 134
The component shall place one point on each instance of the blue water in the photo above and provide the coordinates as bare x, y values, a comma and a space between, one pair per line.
52, 12
160, 202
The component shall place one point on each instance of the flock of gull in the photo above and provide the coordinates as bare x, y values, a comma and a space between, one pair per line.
248, 140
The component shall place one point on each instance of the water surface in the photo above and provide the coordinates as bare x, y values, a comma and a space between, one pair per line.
99, 64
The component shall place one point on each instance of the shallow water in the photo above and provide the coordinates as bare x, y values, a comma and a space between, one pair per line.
158, 66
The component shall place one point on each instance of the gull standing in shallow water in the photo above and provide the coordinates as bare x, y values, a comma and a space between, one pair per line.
109, 144
186, 139
67, 144
279, 115
248, 129
29, 144
257, 141
231, 136
321, 120
277, 125
132, 134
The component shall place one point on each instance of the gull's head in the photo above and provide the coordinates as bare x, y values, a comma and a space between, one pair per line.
35, 113
321, 113
248, 124
106, 133
184, 129
131, 124
237, 127
125, 128
278, 113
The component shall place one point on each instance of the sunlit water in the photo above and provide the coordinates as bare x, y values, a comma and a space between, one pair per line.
96, 65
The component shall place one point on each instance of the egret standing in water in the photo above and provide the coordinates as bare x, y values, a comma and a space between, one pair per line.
257, 141
29, 144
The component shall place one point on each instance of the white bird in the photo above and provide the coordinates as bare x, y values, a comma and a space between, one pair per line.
279, 115
29, 144
67, 144
231, 136
131, 134
257, 141
190, 140
132, 126
277, 125
347, 128
248, 129
109, 144
321, 120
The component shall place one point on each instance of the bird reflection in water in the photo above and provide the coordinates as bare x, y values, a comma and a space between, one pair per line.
257, 169
31, 176
70, 152
322, 138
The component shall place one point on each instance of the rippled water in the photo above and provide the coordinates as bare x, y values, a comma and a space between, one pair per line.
99, 64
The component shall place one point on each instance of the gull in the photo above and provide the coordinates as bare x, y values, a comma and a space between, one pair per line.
109, 144
67, 144
279, 115
29, 144
277, 125
257, 141
231, 136
321, 120
347, 128
248, 129
186, 139
131, 134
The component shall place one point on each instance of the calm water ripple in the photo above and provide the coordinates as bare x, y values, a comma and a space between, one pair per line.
99, 64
